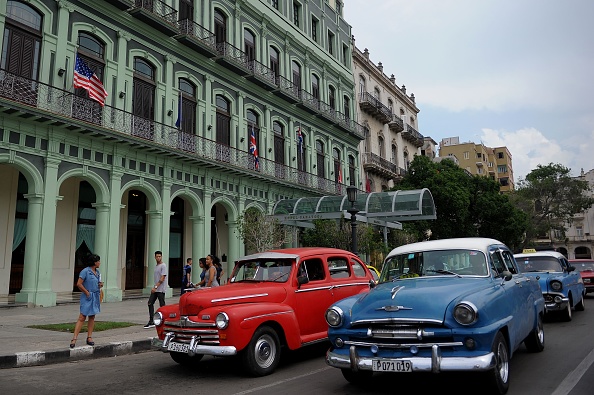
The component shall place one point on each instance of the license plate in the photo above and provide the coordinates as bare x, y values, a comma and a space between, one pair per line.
391, 366
587, 281
178, 347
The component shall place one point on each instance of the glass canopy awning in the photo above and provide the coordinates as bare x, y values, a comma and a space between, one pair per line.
386, 209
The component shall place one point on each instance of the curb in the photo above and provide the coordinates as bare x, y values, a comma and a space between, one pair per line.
37, 358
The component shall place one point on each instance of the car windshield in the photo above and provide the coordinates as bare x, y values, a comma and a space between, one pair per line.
586, 266
276, 270
539, 264
434, 263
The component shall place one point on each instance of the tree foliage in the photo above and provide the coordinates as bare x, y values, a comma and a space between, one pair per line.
466, 205
261, 232
550, 197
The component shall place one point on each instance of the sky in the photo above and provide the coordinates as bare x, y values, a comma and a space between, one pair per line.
514, 73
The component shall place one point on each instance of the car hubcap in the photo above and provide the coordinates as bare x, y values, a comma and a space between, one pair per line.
265, 351
502, 363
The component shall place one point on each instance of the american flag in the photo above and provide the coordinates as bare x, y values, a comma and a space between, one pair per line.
254, 148
85, 78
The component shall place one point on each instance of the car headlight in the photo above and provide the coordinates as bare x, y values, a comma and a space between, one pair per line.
158, 318
334, 316
556, 285
465, 313
222, 320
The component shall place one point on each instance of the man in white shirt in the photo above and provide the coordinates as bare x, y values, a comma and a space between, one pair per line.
158, 291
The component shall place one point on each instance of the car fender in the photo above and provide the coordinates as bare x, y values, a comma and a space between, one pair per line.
244, 319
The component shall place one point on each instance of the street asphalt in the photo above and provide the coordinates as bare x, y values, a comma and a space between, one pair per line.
21, 346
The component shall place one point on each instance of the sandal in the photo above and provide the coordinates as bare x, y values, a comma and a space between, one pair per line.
89, 342
73, 343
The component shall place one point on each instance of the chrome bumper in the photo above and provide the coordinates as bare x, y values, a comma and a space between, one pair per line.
559, 304
434, 364
221, 351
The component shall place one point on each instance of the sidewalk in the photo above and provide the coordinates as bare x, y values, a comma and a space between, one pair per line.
21, 346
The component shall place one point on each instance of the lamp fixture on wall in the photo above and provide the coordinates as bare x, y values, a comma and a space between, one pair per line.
314, 166
209, 127
294, 159
169, 112
122, 94
269, 150
61, 72
241, 140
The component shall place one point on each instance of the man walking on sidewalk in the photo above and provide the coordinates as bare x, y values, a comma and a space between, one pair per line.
158, 291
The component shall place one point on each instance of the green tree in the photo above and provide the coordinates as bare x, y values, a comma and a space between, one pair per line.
261, 232
550, 197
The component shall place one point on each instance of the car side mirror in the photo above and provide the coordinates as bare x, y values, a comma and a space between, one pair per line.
507, 275
570, 268
372, 284
302, 280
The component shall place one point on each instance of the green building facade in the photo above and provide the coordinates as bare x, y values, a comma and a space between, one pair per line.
195, 89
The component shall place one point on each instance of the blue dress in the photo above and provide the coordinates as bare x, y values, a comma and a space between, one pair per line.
92, 304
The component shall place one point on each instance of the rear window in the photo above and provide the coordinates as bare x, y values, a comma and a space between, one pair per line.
539, 264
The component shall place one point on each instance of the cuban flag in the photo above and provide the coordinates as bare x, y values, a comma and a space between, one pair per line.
254, 148
86, 78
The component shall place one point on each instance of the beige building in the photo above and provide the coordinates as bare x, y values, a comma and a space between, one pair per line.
481, 160
389, 117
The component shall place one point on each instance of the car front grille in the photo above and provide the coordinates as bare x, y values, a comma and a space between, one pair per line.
184, 330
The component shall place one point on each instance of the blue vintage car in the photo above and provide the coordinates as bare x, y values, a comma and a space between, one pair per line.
562, 286
440, 306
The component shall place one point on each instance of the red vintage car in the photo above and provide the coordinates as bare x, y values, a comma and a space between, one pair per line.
586, 268
274, 299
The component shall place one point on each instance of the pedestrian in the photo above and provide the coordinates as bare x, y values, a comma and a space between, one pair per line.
211, 272
89, 283
158, 291
187, 277
219, 267
202, 264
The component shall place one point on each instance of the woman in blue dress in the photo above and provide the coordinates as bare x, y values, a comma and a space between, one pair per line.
89, 283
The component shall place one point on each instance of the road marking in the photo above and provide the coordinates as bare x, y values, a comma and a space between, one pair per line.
574, 377
282, 381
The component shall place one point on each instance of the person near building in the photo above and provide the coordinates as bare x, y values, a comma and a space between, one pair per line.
158, 290
203, 267
187, 276
89, 283
211, 272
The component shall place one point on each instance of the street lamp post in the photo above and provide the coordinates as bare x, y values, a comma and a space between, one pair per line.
352, 196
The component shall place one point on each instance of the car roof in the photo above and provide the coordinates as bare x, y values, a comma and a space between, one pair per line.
470, 243
554, 254
580, 260
292, 253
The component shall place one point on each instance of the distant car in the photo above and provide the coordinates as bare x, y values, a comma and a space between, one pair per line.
374, 272
586, 269
274, 299
562, 286
440, 306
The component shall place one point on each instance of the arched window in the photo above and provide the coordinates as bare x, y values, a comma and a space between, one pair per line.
279, 149
315, 86
347, 107
186, 117
274, 62
91, 51
391, 106
351, 170
394, 157
332, 97
223, 129
337, 168
220, 24
253, 134
249, 44
376, 93
296, 78
362, 85
21, 49
380, 145
301, 152
143, 99
321, 171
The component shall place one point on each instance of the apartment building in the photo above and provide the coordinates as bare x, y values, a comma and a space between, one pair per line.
389, 117
478, 159
185, 114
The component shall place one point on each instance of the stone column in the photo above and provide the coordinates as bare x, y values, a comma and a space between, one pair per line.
111, 269
198, 248
166, 221
155, 243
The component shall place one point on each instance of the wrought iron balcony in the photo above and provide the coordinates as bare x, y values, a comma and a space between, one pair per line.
396, 124
42, 103
309, 102
287, 89
411, 134
157, 14
197, 37
262, 75
234, 58
380, 166
371, 105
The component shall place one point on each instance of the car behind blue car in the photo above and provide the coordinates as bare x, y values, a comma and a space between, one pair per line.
562, 286
443, 305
